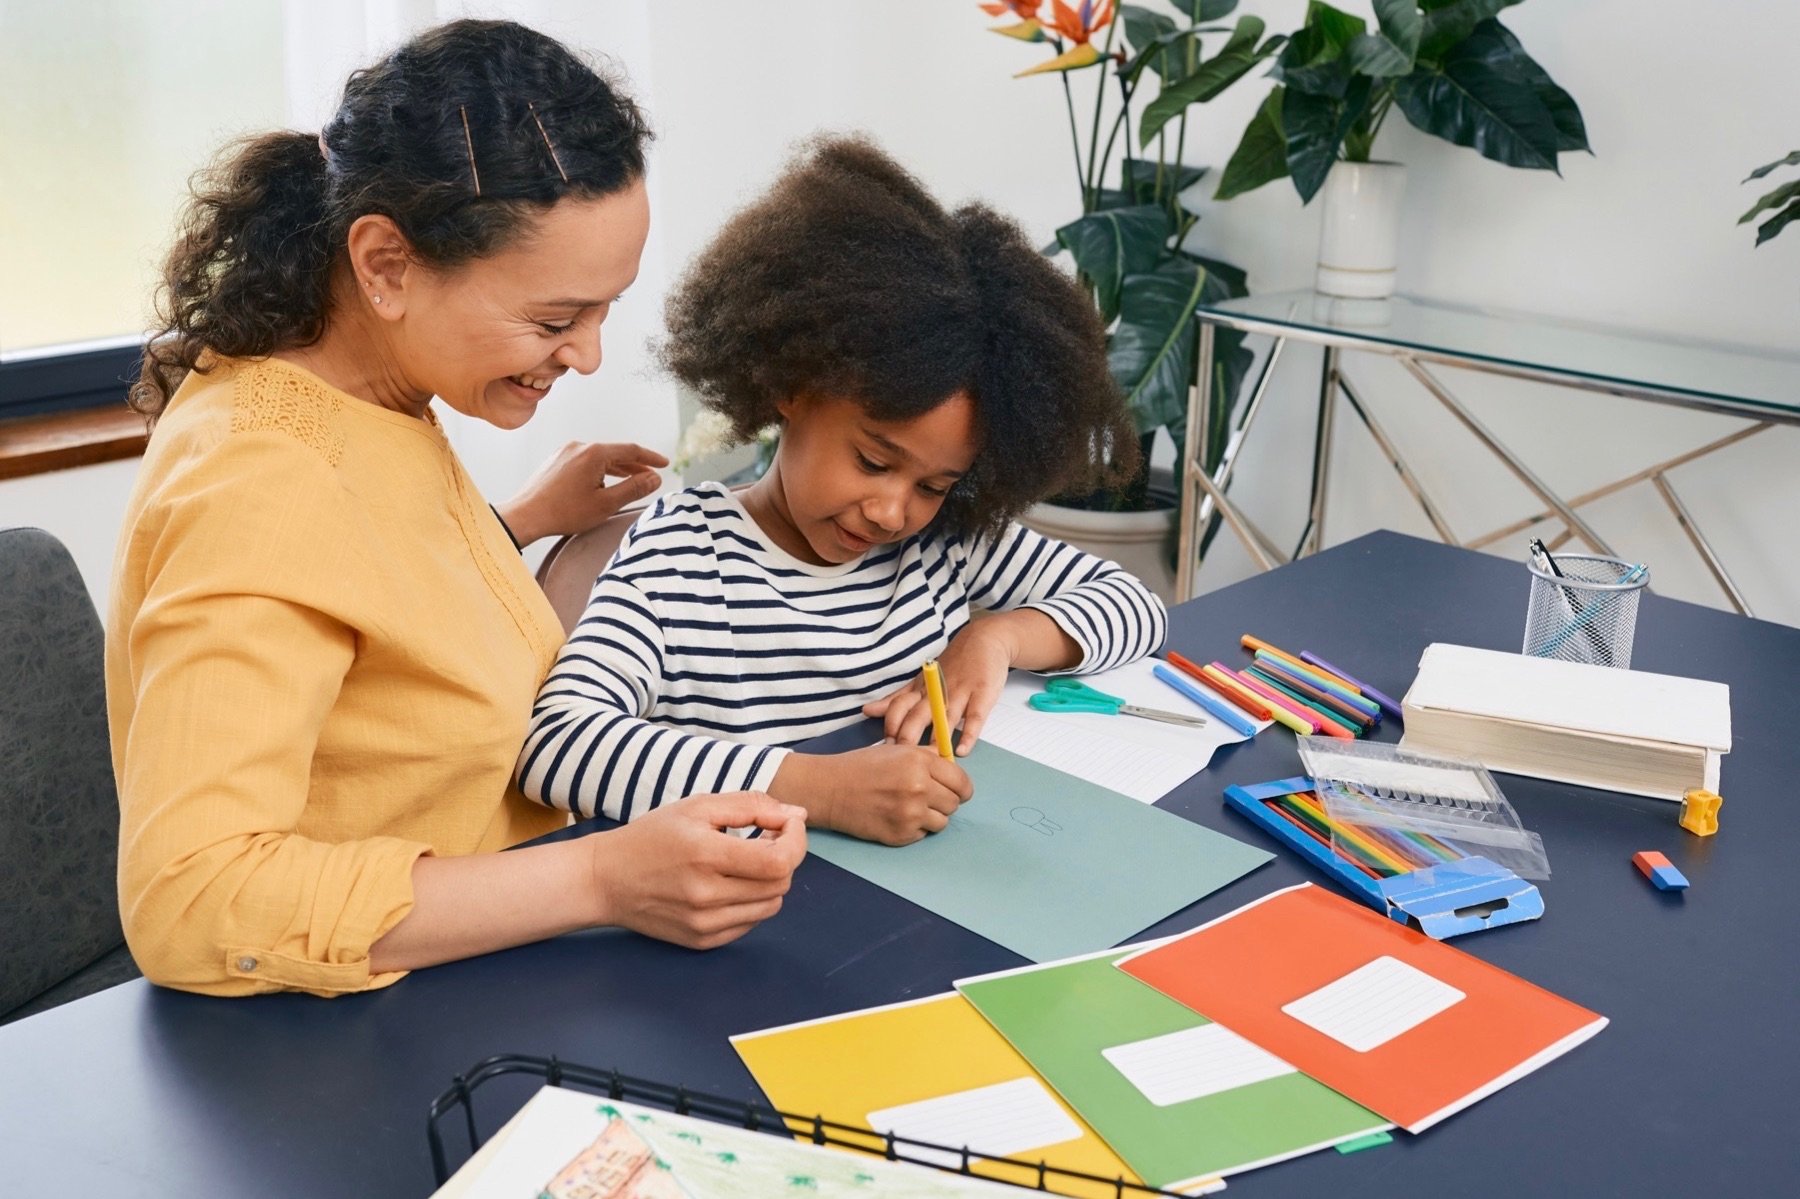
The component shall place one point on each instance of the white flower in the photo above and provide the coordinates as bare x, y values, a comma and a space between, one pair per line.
707, 434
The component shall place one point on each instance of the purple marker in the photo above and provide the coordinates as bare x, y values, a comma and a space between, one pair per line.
1383, 702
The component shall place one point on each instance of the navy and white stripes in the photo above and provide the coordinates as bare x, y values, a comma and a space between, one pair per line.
705, 649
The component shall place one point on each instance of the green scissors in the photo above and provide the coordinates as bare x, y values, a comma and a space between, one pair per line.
1069, 695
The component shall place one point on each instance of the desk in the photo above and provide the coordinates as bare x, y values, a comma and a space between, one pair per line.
145, 1092
1420, 334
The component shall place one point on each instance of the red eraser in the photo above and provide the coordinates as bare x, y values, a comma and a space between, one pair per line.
1649, 860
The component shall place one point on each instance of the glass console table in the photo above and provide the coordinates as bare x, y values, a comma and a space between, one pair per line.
1420, 334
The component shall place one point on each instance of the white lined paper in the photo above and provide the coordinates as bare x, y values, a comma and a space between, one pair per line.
1143, 773
1374, 1003
1193, 1063
1004, 1119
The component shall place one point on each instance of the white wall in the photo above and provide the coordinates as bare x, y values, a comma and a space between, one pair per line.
1641, 235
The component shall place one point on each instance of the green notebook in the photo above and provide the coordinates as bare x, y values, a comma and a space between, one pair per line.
1177, 1096
1047, 864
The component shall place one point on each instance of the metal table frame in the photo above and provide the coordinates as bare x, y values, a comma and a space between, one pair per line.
1203, 492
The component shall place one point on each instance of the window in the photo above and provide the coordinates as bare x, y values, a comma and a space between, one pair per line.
106, 108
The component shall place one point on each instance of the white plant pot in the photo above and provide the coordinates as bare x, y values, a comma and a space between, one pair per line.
1138, 541
1359, 237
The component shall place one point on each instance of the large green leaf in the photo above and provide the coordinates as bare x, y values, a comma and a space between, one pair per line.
1315, 127
1147, 181
1470, 100
1231, 63
1205, 10
1152, 349
1261, 155
1149, 34
1315, 59
1496, 43
1774, 199
1777, 223
1389, 52
1110, 245
1447, 22
1759, 172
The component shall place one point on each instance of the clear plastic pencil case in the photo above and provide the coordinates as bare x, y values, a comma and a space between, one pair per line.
1416, 807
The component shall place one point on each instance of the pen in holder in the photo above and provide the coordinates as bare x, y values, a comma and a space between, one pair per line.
1583, 607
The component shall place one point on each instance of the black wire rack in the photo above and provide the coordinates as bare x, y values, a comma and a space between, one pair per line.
1009, 1171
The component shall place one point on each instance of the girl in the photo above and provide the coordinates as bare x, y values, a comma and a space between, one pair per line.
933, 376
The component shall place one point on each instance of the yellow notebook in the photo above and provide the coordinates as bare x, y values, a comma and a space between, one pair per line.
933, 1070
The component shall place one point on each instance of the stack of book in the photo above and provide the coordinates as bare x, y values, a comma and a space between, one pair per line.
1617, 730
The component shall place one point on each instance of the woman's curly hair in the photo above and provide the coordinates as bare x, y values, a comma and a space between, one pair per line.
461, 136
848, 280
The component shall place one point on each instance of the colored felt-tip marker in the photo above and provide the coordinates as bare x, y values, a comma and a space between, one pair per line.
1226, 715
940, 716
1276, 702
1239, 697
1387, 705
1320, 722
1322, 681
1222, 681
1255, 643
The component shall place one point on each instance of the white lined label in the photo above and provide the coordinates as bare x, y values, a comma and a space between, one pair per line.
1004, 1119
1375, 1003
1193, 1063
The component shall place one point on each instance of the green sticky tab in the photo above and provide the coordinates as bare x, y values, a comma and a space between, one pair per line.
1368, 1142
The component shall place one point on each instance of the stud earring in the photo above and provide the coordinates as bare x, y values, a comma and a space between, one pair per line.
377, 299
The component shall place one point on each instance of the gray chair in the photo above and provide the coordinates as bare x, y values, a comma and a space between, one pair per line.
59, 813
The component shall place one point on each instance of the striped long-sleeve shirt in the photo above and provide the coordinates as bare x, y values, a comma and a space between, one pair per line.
705, 650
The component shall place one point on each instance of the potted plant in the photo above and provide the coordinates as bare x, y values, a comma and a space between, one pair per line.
1783, 203
1129, 245
1449, 66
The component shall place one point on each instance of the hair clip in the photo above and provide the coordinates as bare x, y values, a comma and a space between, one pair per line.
469, 142
547, 144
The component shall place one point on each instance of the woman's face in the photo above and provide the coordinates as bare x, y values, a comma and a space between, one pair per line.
489, 338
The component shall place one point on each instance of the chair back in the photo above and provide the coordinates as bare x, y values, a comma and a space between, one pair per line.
59, 812
568, 571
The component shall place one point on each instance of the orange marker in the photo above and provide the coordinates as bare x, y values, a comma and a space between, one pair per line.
1256, 643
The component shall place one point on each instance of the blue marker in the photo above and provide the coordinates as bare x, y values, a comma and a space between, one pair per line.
1229, 717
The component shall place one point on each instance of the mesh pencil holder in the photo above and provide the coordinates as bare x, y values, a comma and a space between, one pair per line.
1589, 614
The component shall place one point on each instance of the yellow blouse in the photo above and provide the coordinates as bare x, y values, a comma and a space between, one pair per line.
321, 655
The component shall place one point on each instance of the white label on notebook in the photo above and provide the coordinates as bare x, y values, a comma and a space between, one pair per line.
1005, 1119
1192, 1063
1373, 1004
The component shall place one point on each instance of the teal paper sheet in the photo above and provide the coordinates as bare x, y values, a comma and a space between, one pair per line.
1046, 864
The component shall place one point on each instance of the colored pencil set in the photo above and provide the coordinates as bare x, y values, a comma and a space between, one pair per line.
1377, 852
1306, 693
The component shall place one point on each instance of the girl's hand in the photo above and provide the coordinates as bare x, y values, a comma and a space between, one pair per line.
974, 666
570, 494
894, 794
675, 873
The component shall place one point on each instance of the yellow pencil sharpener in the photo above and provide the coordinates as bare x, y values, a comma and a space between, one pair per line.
1700, 812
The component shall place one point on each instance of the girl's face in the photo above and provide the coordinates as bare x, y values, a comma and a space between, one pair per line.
844, 482
490, 337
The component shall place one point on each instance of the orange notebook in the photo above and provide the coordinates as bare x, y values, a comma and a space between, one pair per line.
1404, 1025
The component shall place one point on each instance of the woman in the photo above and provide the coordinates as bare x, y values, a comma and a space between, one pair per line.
323, 645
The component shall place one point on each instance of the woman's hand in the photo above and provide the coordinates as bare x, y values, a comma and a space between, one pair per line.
570, 494
974, 668
894, 794
677, 875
